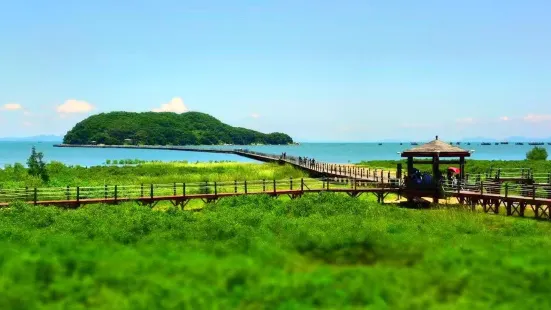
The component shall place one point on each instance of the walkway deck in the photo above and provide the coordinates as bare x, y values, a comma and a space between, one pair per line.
318, 169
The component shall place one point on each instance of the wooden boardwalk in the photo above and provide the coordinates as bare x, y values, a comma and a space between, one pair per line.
515, 199
316, 169
179, 194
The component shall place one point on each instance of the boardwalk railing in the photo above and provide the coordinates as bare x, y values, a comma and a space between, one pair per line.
336, 170
541, 191
207, 189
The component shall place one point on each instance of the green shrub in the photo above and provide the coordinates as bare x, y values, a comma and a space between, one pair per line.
537, 153
36, 165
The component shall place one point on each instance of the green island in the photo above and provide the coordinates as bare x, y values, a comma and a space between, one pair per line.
323, 250
165, 128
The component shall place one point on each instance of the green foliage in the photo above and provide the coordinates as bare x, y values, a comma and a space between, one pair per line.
322, 251
36, 165
149, 128
61, 175
537, 153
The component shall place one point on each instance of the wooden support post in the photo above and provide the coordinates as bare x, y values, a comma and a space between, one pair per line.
26, 193
291, 183
184, 189
235, 186
215, 189
78, 194
116, 193
174, 189
105, 192
263, 185
506, 190
275, 186
481, 187
301, 184
141, 190
35, 196
533, 191
151, 191
68, 193
245, 186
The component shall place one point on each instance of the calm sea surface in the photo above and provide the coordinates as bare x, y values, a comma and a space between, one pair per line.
11, 152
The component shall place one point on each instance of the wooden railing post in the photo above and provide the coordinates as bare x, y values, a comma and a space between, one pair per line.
105, 192
533, 191
68, 193
184, 189
174, 189
78, 194
116, 193
35, 196
141, 190
151, 191
26, 193
301, 184
275, 186
263, 185
235, 186
245, 186
481, 187
215, 189
291, 183
506, 190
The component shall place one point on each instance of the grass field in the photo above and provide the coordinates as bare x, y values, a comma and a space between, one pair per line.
325, 250
16, 176
320, 251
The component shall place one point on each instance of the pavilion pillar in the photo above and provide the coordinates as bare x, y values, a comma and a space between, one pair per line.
410, 167
408, 177
462, 168
435, 177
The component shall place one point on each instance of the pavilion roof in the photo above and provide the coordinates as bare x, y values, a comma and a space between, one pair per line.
436, 148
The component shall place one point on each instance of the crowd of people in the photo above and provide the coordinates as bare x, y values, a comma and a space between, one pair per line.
305, 161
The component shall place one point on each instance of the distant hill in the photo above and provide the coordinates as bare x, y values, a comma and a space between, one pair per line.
41, 138
150, 128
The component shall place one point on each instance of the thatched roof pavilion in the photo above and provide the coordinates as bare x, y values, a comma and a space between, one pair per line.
436, 149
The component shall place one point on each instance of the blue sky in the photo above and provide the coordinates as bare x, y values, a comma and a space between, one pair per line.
318, 70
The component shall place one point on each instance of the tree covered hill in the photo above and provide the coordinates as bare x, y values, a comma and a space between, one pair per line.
166, 128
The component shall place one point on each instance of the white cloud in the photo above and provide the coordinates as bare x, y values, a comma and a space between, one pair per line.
536, 118
27, 124
12, 106
175, 105
255, 115
74, 106
504, 118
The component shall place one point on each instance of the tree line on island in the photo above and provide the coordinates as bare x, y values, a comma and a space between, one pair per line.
166, 128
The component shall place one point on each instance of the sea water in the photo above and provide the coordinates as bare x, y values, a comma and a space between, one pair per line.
12, 152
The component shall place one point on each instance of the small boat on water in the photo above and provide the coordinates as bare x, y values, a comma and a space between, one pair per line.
536, 143
496, 143
468, 143
504, 142
485, 143
519, 143
380, 144
414, 143
458, 143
